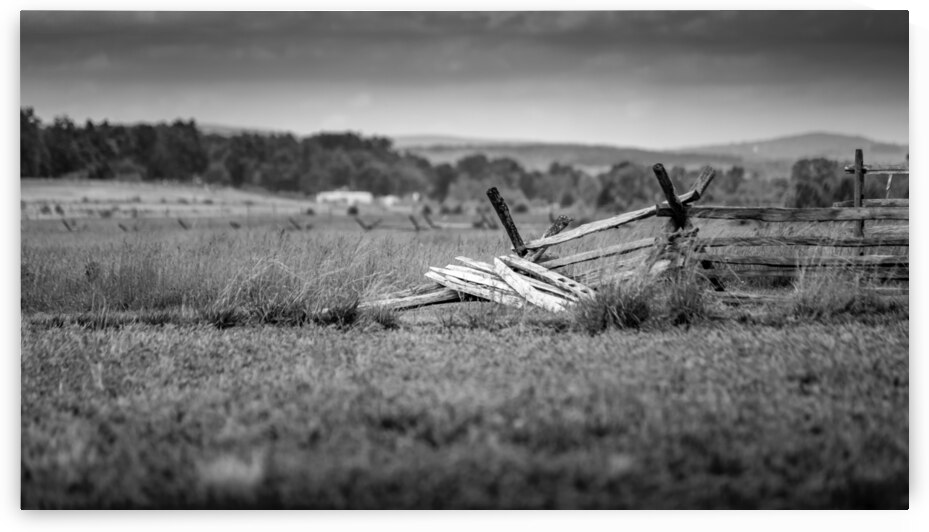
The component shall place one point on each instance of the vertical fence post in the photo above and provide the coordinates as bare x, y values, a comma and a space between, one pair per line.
859, 188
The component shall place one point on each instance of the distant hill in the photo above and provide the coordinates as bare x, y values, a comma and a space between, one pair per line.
794, 147
539, 156
424, 141
231, 131
768, 158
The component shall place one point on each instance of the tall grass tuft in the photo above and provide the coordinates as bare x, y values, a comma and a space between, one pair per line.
617, 305
827, 296
684, 299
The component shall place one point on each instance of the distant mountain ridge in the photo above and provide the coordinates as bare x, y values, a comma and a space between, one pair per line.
769, 158
816, 144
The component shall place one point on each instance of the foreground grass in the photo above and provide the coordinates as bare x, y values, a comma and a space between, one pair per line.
190, 369
445, 413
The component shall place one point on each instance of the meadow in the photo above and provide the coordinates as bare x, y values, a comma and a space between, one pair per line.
173, 367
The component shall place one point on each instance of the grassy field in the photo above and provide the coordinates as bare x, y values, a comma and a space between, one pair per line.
173, 368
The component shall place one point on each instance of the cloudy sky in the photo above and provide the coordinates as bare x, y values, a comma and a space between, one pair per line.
648, 79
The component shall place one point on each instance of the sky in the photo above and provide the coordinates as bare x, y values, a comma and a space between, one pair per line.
650, 79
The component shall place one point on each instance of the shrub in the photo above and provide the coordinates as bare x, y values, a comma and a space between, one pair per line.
620, 305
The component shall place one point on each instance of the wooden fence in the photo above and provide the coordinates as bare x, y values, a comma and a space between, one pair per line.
527, 277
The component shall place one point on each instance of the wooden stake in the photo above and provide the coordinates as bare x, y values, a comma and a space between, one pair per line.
859, 187
678, 214
503, 212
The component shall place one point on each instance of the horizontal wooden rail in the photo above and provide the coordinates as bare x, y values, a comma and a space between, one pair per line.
883, 274
827, 241
782, 214
891, 202
745, 297
703, 181
884, 231
810, 262
877, 170
609, 251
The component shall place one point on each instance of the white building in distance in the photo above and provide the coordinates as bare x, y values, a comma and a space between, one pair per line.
345, 197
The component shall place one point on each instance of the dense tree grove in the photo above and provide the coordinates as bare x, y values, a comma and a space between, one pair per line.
282, 162
821, 182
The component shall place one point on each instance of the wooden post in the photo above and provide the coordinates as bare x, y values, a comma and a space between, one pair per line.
679, 221
859, 187
508, 224
678, 212
558, 225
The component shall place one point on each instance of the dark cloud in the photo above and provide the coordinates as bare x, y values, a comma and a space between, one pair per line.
563, 56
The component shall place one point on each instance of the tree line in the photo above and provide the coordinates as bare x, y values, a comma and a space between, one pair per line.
181, 151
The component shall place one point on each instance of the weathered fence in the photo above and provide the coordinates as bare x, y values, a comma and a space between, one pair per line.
527, 277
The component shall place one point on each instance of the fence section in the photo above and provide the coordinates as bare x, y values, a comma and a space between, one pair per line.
527, 277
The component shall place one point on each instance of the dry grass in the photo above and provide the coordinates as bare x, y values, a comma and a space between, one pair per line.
212, 368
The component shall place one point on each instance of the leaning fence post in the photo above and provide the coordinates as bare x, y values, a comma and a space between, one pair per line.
678, 212
558, 225
508, 224
678, 220
859, 187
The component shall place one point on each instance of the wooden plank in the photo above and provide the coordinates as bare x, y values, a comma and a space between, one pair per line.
885, 274
882, 231
609, 251
476, 290
503, 212
703, 181
886, 169
562, 282
476, 264
678, 216
438, 295
746, 297
593, 227
558, 225
885, 261
480, 278
554, 290
530, 294
829, 241
891, 202
783, 214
